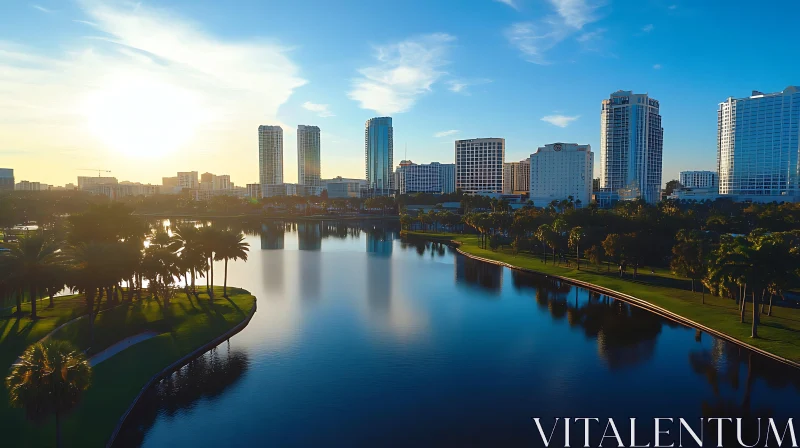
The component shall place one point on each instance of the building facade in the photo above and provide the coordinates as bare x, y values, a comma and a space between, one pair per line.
6, 179
517, 177
631, 146
270, 156
188, 180
274, 190
308, 158
379, 155
560, 171
479, 165
698, 179
758, 148
253, 191
85, 182
434, 178
340, 187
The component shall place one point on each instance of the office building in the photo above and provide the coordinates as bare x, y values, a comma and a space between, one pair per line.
339, 187
279, 190
25, 185
758, 146
270, 156
254, 191
479, 165
188, 180
308, 158
698, 179
517, 177
379, 155
169, 182
85, 182
6, 179
434, 178
631, 146
560, 171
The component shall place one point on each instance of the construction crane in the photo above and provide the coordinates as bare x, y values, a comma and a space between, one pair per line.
99, 171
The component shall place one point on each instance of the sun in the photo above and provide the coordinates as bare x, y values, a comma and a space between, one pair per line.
139, 116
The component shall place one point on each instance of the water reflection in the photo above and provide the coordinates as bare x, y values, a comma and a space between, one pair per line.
204, 379
393, 325
272, 236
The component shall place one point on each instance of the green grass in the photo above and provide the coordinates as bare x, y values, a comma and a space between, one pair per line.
778, 334
186, 325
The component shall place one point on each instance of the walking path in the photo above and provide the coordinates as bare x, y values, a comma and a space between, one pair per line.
120, 346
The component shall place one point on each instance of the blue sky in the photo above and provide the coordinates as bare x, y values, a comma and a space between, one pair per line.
149, 88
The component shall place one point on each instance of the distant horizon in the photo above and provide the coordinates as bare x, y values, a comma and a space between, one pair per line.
153, 88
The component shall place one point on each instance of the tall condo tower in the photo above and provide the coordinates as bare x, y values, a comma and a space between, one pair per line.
308, 172
631, 146
379, 155
479, 165
758, 148
270, 156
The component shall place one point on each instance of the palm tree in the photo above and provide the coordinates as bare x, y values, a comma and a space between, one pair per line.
575, 237
87, 263
49, 378
28, 263
231, 247
209, 241
187, 239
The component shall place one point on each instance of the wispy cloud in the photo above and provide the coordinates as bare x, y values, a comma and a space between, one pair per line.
461, 85
42, 9
647, 28
657, 67
591, 35
673, 7
323, 110
160, 80
561, 121
404, 71
511, 3
445, 133
535, 38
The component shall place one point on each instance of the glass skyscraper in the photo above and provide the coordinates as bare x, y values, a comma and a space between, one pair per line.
308, 144
757, 145
270, 156
631, 146
379, 155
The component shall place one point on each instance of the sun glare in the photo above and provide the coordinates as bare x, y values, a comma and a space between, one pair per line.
142, 117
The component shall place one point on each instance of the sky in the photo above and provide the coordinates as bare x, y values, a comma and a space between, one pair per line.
146, 89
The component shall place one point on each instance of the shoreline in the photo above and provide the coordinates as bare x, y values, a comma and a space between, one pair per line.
635, 301
178, 365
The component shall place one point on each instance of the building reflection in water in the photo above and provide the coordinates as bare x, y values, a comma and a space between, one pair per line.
205, 378
309, 235
379, 269
272, 235
473, 272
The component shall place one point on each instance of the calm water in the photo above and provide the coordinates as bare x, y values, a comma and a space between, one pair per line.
361, 339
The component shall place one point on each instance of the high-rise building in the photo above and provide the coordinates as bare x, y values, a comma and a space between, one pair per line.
758, 146
188, 180
561, 170
270, 156
221, 182
379, 155
517, 177
86, 182
434, 178
6, 179
308, 144
479, 165
698, 179
631, 146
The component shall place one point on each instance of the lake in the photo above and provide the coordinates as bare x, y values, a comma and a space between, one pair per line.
362, 339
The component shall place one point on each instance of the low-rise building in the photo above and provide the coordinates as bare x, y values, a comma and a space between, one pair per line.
699, 179
340, 187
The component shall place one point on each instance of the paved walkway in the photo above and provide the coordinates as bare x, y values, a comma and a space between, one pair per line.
120, 346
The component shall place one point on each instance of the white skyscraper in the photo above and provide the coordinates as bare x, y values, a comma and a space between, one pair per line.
698, 179
479, 165
561, 170
270, 156
758, 147
308, 145
631, 146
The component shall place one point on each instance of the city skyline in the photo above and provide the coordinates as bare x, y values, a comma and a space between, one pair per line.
194, 100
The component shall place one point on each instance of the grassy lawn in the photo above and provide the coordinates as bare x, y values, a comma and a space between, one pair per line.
778, 334
186, 325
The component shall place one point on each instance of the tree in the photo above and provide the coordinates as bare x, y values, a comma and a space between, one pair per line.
29, 263
49, 378
672, 186
690, 256
405, 221
87, 262
612, 245
575, 237
231, 247
210, 237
